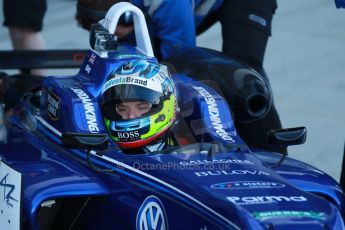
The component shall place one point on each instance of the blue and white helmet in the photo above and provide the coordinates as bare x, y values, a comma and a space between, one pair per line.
139, 80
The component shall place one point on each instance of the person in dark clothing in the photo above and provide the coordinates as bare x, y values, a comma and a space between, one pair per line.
246, 25
24, 19
340, 3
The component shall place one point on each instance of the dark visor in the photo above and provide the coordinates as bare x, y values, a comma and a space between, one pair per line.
128, 92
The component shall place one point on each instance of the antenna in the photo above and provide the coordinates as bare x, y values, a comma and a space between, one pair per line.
202, 146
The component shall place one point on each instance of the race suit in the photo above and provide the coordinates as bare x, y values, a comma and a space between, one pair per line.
174, 21
246, 27
340, 3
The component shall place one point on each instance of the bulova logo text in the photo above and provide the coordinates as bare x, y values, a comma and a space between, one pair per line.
264, 199
89, 110
230, 172
214, 114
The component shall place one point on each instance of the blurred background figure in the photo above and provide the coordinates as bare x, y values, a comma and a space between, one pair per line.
340, 3
24, 19
246, 25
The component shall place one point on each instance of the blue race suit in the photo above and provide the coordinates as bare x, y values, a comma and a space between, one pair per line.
174, 21
246, 26
340, 3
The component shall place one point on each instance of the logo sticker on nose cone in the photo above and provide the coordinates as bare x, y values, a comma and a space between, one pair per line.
151, 215
230, 172
53, 106
248, 200
289, 213
247, 185
10, 197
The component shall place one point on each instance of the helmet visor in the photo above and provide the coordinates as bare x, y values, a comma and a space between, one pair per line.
128, 93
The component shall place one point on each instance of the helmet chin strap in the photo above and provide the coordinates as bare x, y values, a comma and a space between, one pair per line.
157, 144
154, 147
161, 142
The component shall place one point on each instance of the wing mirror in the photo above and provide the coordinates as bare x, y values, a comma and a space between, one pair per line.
287, 137
96, 141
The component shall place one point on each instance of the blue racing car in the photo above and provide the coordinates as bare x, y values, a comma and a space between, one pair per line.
60, 170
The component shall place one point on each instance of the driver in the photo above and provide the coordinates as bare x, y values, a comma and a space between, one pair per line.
139, 106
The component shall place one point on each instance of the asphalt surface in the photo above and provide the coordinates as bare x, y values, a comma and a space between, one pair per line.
305, 61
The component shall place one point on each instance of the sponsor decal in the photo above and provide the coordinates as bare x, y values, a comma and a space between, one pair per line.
215, 161
214, 114
10, 197
248, 200
230, 172
288, 213
125, 80
89, 109
92, 59
256, 18
53, 106
151, 215
123, 56
8, 189
247, 185
128, 136
134, 80
88, 69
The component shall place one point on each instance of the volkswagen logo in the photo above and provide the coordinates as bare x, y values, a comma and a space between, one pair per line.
151, 215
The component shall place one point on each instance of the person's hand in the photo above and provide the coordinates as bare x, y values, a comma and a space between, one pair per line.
123, 31
91, 11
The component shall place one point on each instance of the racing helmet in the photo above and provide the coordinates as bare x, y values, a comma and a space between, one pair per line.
139, 81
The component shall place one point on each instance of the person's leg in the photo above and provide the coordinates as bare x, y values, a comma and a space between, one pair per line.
26, 39
208, 22
246, 27
24, 19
